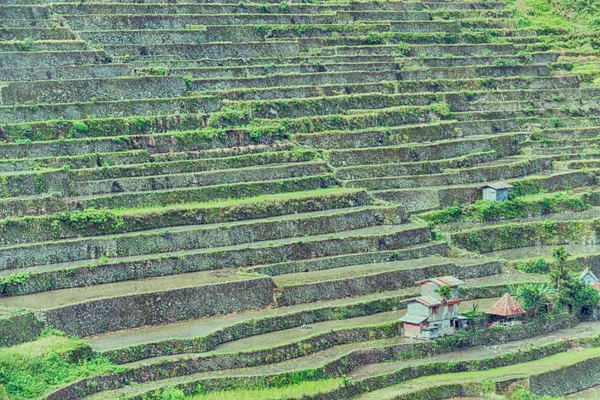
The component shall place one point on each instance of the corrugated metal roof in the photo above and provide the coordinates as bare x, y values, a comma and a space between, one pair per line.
428, 300
413, 319
496, 185
444, 281
586, 272
507, 306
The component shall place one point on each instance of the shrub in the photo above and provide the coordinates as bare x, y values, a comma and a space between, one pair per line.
284, 6
539, 266
172, 394
442, 108
80, 127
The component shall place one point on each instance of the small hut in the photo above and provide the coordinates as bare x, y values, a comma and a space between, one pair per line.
495, 191
507, 311
589, 278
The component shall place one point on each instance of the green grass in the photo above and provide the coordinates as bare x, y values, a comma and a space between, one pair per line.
30, 370
287, 392
239, 202
551, 363
541, 14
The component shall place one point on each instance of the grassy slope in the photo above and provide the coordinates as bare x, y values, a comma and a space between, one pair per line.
29, 370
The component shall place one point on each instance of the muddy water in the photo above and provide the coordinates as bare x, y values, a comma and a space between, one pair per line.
357, 270
57, 298
203, 326
291, 335
299, 333
589, 394
543, 251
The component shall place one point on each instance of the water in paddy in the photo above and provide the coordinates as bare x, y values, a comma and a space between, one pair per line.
543, 251
588, 394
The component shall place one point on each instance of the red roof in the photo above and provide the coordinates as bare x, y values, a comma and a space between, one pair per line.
596, 286
507, 306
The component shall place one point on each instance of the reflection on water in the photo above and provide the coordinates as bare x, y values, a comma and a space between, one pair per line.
544, 251
589, 394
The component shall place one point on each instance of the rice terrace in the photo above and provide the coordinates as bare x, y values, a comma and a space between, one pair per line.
299, 199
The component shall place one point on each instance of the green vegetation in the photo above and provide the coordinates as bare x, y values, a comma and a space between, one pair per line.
519, 207
30, 370
288, 392
549, 363
564, 290
524, 394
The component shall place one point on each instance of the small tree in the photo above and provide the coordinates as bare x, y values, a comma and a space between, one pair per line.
445, 292
577, 296
533, 296
559, 272
474, 315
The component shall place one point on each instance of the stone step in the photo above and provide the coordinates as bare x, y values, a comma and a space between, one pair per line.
378, 238
171, 62
378, 136
52, 59
310, 79
79, 224
177, 9
221, 33
347, 260
153, 21
208, 50
263, 70
335, 351
51, 203
457, 101
489, 23
93, 71
414, 168
68, 91
394, 86
92, 182
42, 46
425, 199
578, 111
425, 50
447, 148
360, 280
153, 301
568, 135
196, 179
496, 170
393, 116
74, 162
216, 8
572, 103
159, 168
21, 34
463, 5
413, 74
167, 134
24, 12
105, 109
194, 237
25, 23
481, 13
459, 61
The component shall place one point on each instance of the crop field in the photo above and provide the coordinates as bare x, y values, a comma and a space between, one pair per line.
224, 199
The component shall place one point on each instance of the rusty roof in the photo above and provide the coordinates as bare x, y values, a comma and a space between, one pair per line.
507, 306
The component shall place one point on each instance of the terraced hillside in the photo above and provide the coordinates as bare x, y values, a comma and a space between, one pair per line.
230, 195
